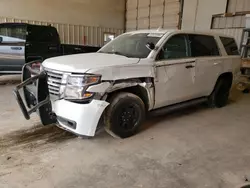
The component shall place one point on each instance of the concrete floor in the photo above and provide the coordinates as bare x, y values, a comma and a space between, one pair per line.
194, 148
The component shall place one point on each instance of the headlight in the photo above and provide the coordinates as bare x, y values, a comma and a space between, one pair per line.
77, 85
85, 80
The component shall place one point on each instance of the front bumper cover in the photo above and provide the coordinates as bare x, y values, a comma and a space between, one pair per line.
81, 119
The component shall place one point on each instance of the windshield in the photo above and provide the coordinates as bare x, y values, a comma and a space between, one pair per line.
131, 45
15, 33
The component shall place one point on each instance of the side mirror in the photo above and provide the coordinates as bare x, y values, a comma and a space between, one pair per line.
1, 39
150, 46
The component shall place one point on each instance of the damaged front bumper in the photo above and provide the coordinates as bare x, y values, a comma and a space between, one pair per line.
80, 119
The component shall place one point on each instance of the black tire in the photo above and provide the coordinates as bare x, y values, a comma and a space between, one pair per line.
220, 95
124, 115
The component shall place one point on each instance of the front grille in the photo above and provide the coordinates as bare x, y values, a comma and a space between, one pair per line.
54, 82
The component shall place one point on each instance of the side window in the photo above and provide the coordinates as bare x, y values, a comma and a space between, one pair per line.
34, 33
13, 32
50, 35
42, 34
230, 45
174, 48
203, 45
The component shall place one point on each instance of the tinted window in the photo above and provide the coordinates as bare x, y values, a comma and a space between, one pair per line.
51, 34
42, 34
13, 32
175, 48
203, 45
230, 45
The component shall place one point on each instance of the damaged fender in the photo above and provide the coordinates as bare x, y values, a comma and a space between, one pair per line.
108, 87
88, 118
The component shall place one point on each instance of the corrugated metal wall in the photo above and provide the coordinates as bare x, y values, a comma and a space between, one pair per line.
234, 32
197, 14
229, 22
147, 14
74, 34
98, 13
238, 6
232, 26
234, 23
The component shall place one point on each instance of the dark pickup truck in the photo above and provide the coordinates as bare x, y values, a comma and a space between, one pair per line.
21, 43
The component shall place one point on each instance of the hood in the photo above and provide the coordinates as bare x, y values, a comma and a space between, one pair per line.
81, 63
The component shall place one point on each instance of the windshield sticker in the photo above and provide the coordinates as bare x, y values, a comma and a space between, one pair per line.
155, 35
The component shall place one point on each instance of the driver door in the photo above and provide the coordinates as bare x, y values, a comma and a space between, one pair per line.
175, 71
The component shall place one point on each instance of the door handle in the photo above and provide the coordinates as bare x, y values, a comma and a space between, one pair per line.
189, 66
78, 49
52, 48
217, 63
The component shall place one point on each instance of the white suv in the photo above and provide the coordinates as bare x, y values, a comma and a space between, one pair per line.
138, 72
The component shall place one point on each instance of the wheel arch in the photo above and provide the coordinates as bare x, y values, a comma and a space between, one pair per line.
218, 98
142, 87
225, 75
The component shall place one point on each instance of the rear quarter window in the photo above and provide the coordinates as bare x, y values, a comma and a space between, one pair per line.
203, 45
230, 45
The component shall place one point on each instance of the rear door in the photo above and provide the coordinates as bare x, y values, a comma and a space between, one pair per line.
12, 48
209, 63
42, 43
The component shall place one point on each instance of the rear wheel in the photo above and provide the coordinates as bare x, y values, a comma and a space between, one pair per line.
125, 115
220, 95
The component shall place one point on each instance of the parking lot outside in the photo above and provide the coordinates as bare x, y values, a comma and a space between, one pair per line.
198, 147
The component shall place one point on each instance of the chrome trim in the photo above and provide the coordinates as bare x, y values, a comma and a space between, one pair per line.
54, 82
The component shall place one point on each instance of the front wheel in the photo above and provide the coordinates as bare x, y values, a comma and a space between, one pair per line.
124, 115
